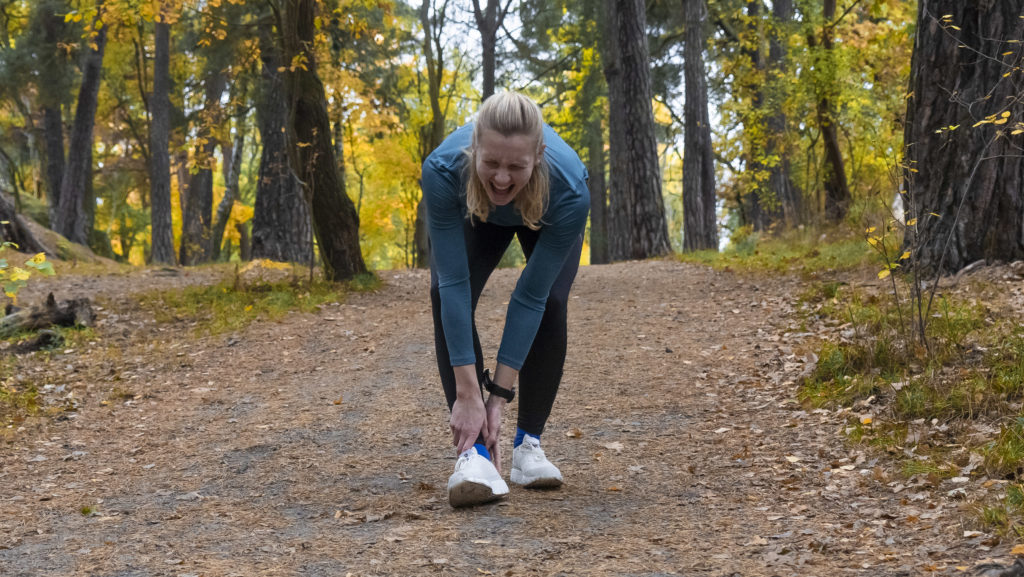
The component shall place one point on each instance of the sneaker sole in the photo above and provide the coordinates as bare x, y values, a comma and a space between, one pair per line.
469, 493
518, 478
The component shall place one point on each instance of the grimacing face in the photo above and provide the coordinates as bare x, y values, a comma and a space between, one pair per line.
505, 164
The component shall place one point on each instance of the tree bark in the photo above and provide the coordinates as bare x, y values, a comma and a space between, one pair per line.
837, 191
311, 153
197, 212
972, 176
281, 228
160, 158
13, 228
639, 148
52, 69
700, 229
488, 22
598, 192
756, 204
66, 314
53, 134
74, 216
620, 203
779, 181
231, 187
432, 134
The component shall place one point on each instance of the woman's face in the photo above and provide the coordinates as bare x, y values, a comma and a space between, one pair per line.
505, 164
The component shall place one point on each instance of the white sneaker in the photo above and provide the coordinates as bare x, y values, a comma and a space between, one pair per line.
474, 481
530, 468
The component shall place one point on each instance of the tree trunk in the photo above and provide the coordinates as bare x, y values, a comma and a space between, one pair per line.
488, 22
700, 229
53, 73
160, 158
620, 203
13, 228
75, 312
197, 213
971, 176
73, 216
421, 237
837, 192
648, 229
231, 188
779, 181
311, 153
598, 192
53, 134
281, 228
244, 242
756, 203
431, 134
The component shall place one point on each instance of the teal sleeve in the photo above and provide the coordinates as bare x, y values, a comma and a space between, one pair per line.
445, 217
530, 297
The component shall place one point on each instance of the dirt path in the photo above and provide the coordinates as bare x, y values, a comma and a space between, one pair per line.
319, 446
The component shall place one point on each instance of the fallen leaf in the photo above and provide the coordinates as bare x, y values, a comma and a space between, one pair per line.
969, 534
574, 433
614, 488
1017, 550
792, 458
614, 446
722, 430
481, 542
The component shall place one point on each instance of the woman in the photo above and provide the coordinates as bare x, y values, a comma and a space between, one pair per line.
508, 174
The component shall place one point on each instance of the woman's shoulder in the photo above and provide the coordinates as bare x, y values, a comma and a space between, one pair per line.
564, 165
450, 154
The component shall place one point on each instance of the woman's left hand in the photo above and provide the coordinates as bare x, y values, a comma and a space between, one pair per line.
494, 407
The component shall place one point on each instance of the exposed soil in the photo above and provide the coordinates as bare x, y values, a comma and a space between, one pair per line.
318, 445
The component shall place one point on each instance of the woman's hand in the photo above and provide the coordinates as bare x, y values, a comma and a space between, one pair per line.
468, 421
492, 432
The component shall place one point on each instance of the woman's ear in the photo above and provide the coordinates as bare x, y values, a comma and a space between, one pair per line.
540, 152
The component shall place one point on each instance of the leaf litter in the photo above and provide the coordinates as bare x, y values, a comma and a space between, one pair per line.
696, 457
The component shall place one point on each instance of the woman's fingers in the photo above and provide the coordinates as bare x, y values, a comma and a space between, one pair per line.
468, 421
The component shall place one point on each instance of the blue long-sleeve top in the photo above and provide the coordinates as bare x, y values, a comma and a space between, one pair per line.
444, 190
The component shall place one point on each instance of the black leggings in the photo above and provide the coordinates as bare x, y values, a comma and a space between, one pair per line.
542, 369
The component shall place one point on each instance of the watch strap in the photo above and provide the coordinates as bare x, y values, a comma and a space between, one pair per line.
494, 389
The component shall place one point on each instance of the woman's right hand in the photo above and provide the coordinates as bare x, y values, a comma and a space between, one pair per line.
467, 421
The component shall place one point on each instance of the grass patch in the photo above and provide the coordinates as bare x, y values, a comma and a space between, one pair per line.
232, 305
795, 251
965, 365
1004, 456
18, 402
1004, 517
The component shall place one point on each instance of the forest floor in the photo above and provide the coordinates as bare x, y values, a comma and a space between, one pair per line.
318, 445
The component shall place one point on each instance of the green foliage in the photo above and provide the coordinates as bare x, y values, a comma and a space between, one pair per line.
17, 401
801, 250
1005, 455
513, 257
230, 306
16, 278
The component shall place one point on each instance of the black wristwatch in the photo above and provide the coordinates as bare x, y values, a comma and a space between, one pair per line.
494, 389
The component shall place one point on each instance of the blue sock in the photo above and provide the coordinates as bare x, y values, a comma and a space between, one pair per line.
519, 437
482, 451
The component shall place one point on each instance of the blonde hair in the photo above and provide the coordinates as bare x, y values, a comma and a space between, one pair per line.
508, 114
